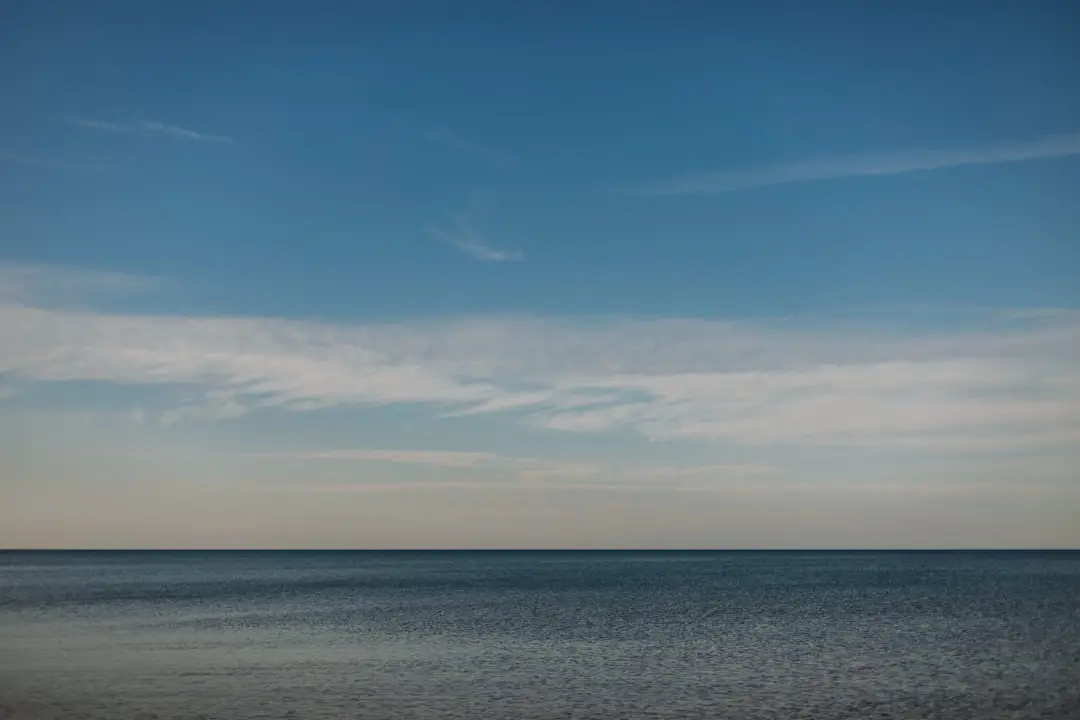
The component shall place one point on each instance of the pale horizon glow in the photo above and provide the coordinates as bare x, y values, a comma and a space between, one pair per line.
937, 416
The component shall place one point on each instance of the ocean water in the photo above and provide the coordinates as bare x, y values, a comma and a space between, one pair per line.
475, 635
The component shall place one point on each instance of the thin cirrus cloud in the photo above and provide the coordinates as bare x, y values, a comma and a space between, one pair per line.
39, 284
486, 469
753, 383
146, 127
1052, 146
439, 458
522, 468
462, 235
525, 467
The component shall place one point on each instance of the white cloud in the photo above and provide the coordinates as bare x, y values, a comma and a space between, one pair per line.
148, 127
226, 409
48, 284
438, 458
735, 470
863, 384
1053, 146
525, 468
880, 402
103, 125
179, 132
487, 469
462, 235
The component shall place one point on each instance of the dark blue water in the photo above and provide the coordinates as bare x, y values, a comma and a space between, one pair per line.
540, 635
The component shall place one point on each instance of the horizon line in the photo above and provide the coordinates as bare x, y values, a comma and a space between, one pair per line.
541, 549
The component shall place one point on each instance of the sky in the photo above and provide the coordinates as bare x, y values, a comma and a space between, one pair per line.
539, 275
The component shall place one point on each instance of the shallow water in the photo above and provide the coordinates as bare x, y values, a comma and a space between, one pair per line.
539, 635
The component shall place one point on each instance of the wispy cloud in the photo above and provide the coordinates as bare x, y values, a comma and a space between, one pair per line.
179, 132
493, 472
462, 234
103, 125
739, 470
487, 468
7, 389
440, 458
217, 405
51, 285
147, 127
445, 138
484, 467
753, 383
1053, 146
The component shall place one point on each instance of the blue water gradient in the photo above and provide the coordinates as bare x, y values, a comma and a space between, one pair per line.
629, 635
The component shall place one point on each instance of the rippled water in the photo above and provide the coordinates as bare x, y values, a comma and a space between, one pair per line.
540, 635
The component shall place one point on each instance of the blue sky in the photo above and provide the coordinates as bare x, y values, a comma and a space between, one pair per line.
490, 274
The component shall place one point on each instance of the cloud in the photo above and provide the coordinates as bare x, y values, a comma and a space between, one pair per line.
462, 235
445, 138
742, 470
179, 132
51, 284
525, 467
867, 384
211, 409
376, 487
486, 469
147, 127
419, 457
103, 125
1053, 146
893, 402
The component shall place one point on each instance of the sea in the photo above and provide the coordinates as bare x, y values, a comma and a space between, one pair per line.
539, 635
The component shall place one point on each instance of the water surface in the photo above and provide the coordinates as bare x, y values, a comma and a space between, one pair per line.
237, 635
